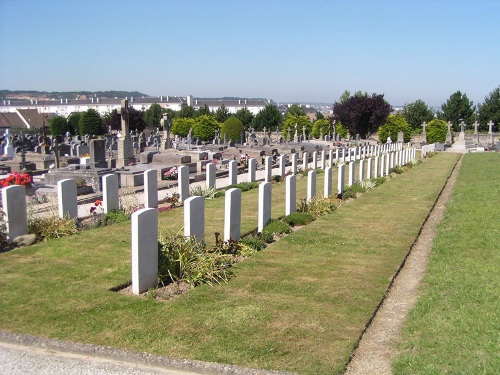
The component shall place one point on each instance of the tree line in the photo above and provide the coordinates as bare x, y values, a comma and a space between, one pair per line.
360, 113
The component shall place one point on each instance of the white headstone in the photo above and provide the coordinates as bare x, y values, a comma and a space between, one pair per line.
305, 160
67, 199
311, 185
341, 178
194, 217
265, 191
210, 178
351, 173
252, 167
268, 164
233, 172
369, 168
151, 188
232, 215
183, 182
327, 191
291, 195
282, 161
144, 250
294, 163
14, 209
111, 199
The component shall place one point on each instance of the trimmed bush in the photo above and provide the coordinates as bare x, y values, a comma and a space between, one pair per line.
277, 227
232, 128
436, 131
299, 218
393, 125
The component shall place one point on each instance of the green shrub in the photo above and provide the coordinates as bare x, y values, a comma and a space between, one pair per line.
352, 191
232, 128
255, 242
276, 178
318, 206
115, 217
244, 186
185, 259
299, 218
393, 125
378, 181
205, 192
436, 131
277, 227
397, 170
45, 228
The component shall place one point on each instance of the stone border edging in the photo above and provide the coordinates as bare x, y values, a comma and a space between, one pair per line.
107, 352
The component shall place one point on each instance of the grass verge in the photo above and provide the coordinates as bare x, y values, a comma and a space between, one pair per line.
455, 326
299, 306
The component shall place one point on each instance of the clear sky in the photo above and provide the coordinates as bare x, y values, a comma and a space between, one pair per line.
288, 50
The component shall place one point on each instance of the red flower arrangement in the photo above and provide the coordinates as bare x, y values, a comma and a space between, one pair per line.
17, 178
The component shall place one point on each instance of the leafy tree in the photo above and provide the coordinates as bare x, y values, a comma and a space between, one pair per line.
436, 131
362, 114
490, 110
301, 121
73, 120
295, 110
90, 123
135, 120
417, 113
152, 115
205, 126
222, 113
245, 116
341, 130
58, 125
269, 117
319, 126
233, 128
458, 107
394, 125
319, 115
181, 126
203, 110
186, 112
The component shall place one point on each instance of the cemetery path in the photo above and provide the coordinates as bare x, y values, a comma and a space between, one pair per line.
376, 349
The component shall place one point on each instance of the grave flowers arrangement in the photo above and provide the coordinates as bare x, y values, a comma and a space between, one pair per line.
244, 159
171, 174
17, 178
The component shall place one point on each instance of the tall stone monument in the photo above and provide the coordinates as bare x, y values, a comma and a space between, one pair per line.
449, 138
490, 132
424, 133
125, 144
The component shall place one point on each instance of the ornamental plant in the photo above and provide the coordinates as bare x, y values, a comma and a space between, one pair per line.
171, 174
17, 178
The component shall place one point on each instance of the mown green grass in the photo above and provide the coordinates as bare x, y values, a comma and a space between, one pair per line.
298, 305
455, 327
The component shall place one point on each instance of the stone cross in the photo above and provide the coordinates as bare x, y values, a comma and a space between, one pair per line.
449, 126
476, 124
166, 130
424, 125
490, 125
125, 118
321, 133
462, 126
304, 132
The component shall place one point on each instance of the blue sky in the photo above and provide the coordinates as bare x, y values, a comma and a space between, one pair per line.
288, 51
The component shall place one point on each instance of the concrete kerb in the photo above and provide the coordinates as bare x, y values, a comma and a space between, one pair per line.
188, 366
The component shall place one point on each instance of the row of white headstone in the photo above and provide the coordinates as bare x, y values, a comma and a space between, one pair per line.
428, 148
14, 197
145, 221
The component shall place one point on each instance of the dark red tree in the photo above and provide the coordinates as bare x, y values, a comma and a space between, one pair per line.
362, 114
136, 120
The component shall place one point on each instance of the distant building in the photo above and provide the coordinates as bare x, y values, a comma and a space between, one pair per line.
29, 114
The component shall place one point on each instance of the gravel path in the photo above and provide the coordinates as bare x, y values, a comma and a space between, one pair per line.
376, 348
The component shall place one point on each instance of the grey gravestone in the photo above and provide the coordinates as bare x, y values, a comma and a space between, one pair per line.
98, 153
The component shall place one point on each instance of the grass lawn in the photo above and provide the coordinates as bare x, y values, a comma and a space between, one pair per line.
298, 305
455, 327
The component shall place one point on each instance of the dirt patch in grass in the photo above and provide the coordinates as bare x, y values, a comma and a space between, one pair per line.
376, 348
163, 294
